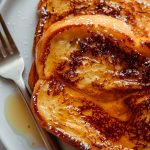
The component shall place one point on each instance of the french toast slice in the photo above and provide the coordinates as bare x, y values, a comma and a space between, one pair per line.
88, 36
93, 87
134, 13
93, 124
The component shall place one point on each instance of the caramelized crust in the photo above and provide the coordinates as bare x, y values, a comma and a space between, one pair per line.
95, 72
93, 124
64, 38
92, 73
134, 13
33, 76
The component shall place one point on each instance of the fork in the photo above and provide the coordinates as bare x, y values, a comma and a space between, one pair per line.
12, 67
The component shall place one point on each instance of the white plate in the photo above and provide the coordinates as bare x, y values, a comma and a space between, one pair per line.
20, 17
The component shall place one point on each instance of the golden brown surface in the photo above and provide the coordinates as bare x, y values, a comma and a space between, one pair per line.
132, 12
94, 75
90, 123
33, 76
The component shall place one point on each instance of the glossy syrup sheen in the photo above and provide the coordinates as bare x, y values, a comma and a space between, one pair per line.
20, 120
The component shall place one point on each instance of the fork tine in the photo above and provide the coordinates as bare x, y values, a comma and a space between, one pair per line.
8, 35
5, 44
3, 40
2, 46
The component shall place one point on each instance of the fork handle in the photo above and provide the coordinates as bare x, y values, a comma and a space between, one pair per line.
49, 143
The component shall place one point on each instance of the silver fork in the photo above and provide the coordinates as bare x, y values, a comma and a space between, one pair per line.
11, 67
